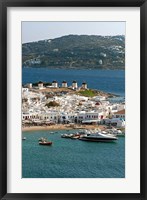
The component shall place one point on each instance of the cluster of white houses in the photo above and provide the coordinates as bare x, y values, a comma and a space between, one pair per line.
55, 84
72, 109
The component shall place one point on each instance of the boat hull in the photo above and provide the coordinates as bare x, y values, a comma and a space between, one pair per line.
98, 139
45, 143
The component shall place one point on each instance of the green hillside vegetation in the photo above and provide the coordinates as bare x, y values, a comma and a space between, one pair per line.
76, 51
88, 93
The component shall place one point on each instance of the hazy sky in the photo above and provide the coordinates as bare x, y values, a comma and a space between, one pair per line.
34, 31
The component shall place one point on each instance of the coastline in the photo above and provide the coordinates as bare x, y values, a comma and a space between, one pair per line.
59, 127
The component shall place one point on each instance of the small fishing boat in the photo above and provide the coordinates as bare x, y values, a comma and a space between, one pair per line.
24, 138
47, 143
75, 137
44, 141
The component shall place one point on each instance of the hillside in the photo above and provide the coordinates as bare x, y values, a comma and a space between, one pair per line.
76, 51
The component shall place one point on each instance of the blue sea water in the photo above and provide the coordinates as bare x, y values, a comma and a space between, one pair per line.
112, 81
68, 158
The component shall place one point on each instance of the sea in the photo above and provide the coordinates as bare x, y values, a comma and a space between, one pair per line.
68, 158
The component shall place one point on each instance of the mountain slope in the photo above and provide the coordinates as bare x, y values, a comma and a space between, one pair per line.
76, 51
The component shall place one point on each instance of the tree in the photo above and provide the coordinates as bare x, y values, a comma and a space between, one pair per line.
52, 104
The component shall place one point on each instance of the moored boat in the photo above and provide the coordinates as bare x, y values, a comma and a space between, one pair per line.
66, 135
116, 132
45, 143
98, 137
75, 137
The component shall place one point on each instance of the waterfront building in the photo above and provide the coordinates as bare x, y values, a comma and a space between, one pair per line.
64, 84
120, 114
118, 122
54, 84
74, 85
28, 116
50, 116
85, 116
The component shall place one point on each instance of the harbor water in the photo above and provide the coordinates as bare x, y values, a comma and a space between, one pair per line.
68, 158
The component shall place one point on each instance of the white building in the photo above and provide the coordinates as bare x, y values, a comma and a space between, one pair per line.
99, 98
40, 85
82, 116
84, 85
33, 61
118, 122
120, 114
29, 85
64, 84
42, 116
54, 84
74, 85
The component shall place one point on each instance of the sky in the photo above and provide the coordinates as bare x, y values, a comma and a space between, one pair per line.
35, 31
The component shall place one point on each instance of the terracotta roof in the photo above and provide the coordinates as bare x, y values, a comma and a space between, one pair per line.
120, 112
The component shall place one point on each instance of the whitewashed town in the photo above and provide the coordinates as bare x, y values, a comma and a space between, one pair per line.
56, 105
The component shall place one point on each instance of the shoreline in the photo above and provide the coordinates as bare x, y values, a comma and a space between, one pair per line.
59, 127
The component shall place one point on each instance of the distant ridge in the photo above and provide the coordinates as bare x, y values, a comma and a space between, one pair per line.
76, 52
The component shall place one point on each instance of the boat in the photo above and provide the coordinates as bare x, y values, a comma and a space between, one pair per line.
109, 133
48, 143
120, 134
66, 135
116, 132
75, 137
98, 137
44, 141
24, 138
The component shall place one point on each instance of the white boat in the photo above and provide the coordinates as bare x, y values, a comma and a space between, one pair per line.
66, 135
98, 137
116, 132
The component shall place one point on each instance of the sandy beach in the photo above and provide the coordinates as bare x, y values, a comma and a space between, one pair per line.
60, 127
